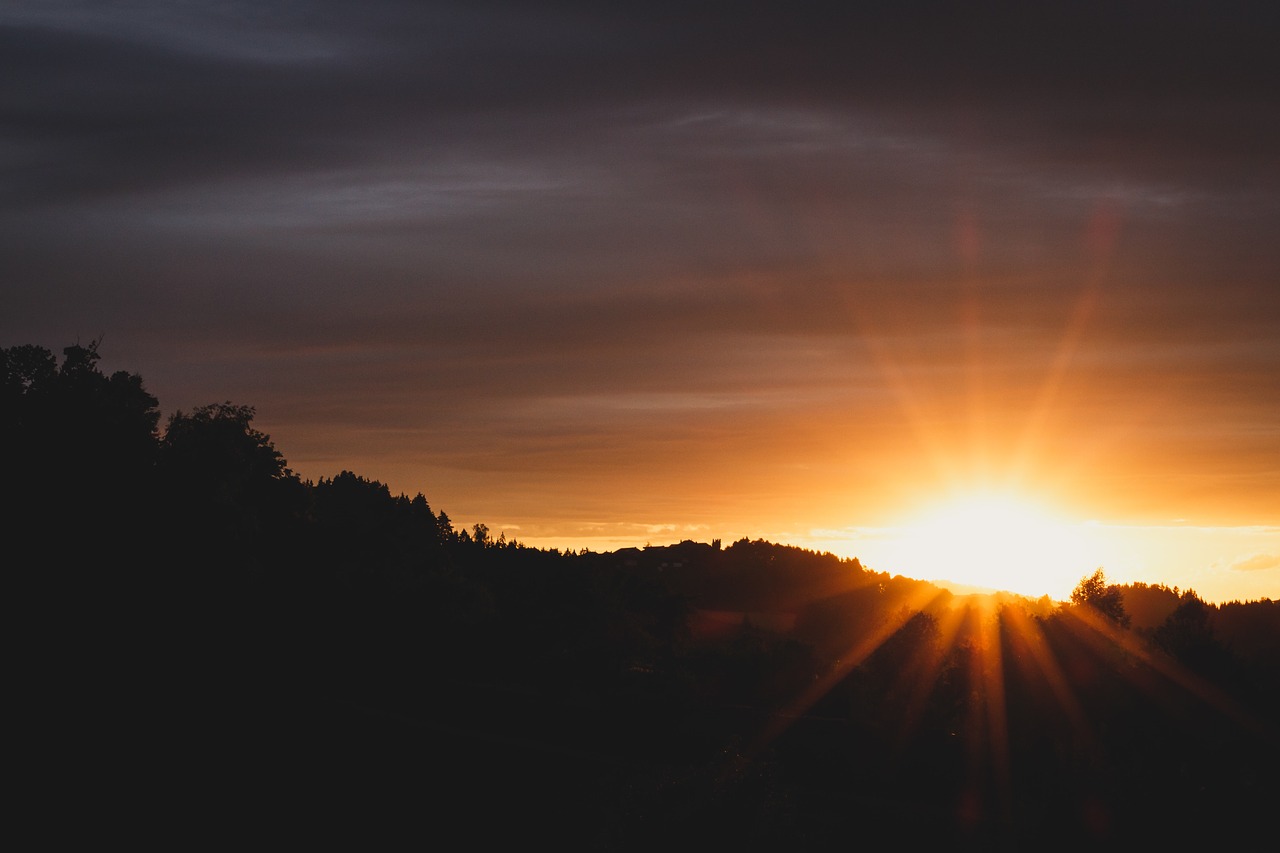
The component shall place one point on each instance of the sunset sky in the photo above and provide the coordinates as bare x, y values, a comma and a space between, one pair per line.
614, 274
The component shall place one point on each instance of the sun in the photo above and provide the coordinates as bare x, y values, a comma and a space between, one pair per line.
995, 540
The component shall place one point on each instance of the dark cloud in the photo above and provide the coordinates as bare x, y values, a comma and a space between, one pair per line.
159, 95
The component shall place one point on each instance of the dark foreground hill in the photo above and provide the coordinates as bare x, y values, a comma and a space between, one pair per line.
209, 649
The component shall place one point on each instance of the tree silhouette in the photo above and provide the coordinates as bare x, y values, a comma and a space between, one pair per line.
80, 449
228, 499
1107, 599
1188, 635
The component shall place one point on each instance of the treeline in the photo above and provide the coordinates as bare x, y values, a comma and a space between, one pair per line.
207, 638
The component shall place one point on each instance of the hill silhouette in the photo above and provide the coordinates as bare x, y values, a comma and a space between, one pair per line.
209, 644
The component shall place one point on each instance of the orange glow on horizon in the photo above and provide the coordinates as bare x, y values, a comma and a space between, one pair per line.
995, 540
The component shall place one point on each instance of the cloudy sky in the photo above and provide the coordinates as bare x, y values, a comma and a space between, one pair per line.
600, 276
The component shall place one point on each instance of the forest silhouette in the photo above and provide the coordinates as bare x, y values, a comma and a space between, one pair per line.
209, 645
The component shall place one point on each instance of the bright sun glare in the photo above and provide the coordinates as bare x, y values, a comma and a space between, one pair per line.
995, 540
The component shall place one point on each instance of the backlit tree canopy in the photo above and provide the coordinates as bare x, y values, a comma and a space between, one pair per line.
1108, 599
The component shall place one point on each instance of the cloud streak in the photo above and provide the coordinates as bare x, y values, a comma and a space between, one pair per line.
1257, 563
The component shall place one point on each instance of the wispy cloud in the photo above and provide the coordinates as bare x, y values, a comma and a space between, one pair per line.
1257, 563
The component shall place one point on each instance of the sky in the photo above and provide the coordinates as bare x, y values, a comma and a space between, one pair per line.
598, 275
